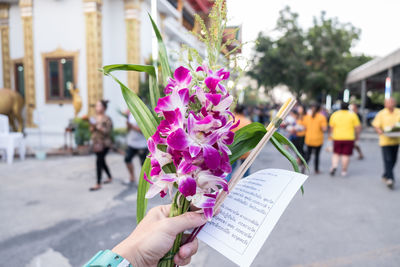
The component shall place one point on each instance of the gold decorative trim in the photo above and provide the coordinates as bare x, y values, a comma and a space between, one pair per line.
92, 11
60, 53
132, 25
5, 44
29, 67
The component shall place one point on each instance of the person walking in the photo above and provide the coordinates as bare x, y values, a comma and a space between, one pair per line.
345, 130
387, 118
137, 146
354, 108
101, 128
298, 138
315, 124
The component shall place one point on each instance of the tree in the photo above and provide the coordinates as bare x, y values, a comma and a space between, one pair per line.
313, 61
282, 61
329, 50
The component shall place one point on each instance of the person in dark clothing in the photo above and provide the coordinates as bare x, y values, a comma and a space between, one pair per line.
101, 128
385, 120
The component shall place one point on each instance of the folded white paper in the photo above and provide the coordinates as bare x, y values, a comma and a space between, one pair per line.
249, 214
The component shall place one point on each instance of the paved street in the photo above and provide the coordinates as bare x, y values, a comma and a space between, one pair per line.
49, 218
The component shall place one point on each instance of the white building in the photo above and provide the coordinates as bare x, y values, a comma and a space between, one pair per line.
46, 43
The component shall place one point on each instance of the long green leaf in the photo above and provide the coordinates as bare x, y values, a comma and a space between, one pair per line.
153, 85
249, 136
283, 140
145, 118
287, 155
246, 139
162, 54
143, 187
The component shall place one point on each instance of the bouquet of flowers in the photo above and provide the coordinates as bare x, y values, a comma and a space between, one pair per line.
189, 129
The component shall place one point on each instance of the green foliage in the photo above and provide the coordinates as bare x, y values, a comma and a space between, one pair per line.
146, 119
378, 98
279, 141
153, 85
249, 136
82, 131
212, 36
162, 53
245, 139
313, 61
144, 92
141, 203
277, 137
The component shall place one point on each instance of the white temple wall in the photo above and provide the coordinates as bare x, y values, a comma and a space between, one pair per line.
58, 24
114, 52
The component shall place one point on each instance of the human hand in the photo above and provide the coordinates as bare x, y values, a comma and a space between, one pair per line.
155, 235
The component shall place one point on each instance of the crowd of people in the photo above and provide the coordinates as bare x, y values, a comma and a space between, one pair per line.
305, 128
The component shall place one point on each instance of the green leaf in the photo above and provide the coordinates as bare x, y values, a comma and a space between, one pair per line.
249, 136
145, 118
162, 54
153, 85
287, 155
143, 187
246, 139
283, 140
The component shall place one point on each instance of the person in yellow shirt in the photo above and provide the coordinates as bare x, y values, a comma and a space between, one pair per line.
315, 124
387, 118
345, 128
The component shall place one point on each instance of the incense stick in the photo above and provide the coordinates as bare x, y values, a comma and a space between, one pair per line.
271, 128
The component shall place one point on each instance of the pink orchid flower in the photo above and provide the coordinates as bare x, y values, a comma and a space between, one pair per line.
193, 135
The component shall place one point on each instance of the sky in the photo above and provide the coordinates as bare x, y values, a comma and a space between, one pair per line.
379, 21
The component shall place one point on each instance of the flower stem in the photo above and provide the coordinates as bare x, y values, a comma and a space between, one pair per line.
179, 206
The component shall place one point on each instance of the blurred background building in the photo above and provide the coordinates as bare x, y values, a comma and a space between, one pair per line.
373, 81
47, 43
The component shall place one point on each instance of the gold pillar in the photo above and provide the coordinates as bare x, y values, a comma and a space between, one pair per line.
94, 55
29, 67
132, 25
180, 10
5, 45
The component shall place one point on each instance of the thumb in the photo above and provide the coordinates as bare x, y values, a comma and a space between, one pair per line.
184, 222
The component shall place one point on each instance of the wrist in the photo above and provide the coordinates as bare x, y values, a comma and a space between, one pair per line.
107, 258
129, 251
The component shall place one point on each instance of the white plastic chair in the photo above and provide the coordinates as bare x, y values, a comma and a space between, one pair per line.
10, 140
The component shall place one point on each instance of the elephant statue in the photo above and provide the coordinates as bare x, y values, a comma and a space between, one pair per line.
11, 105
76, 98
